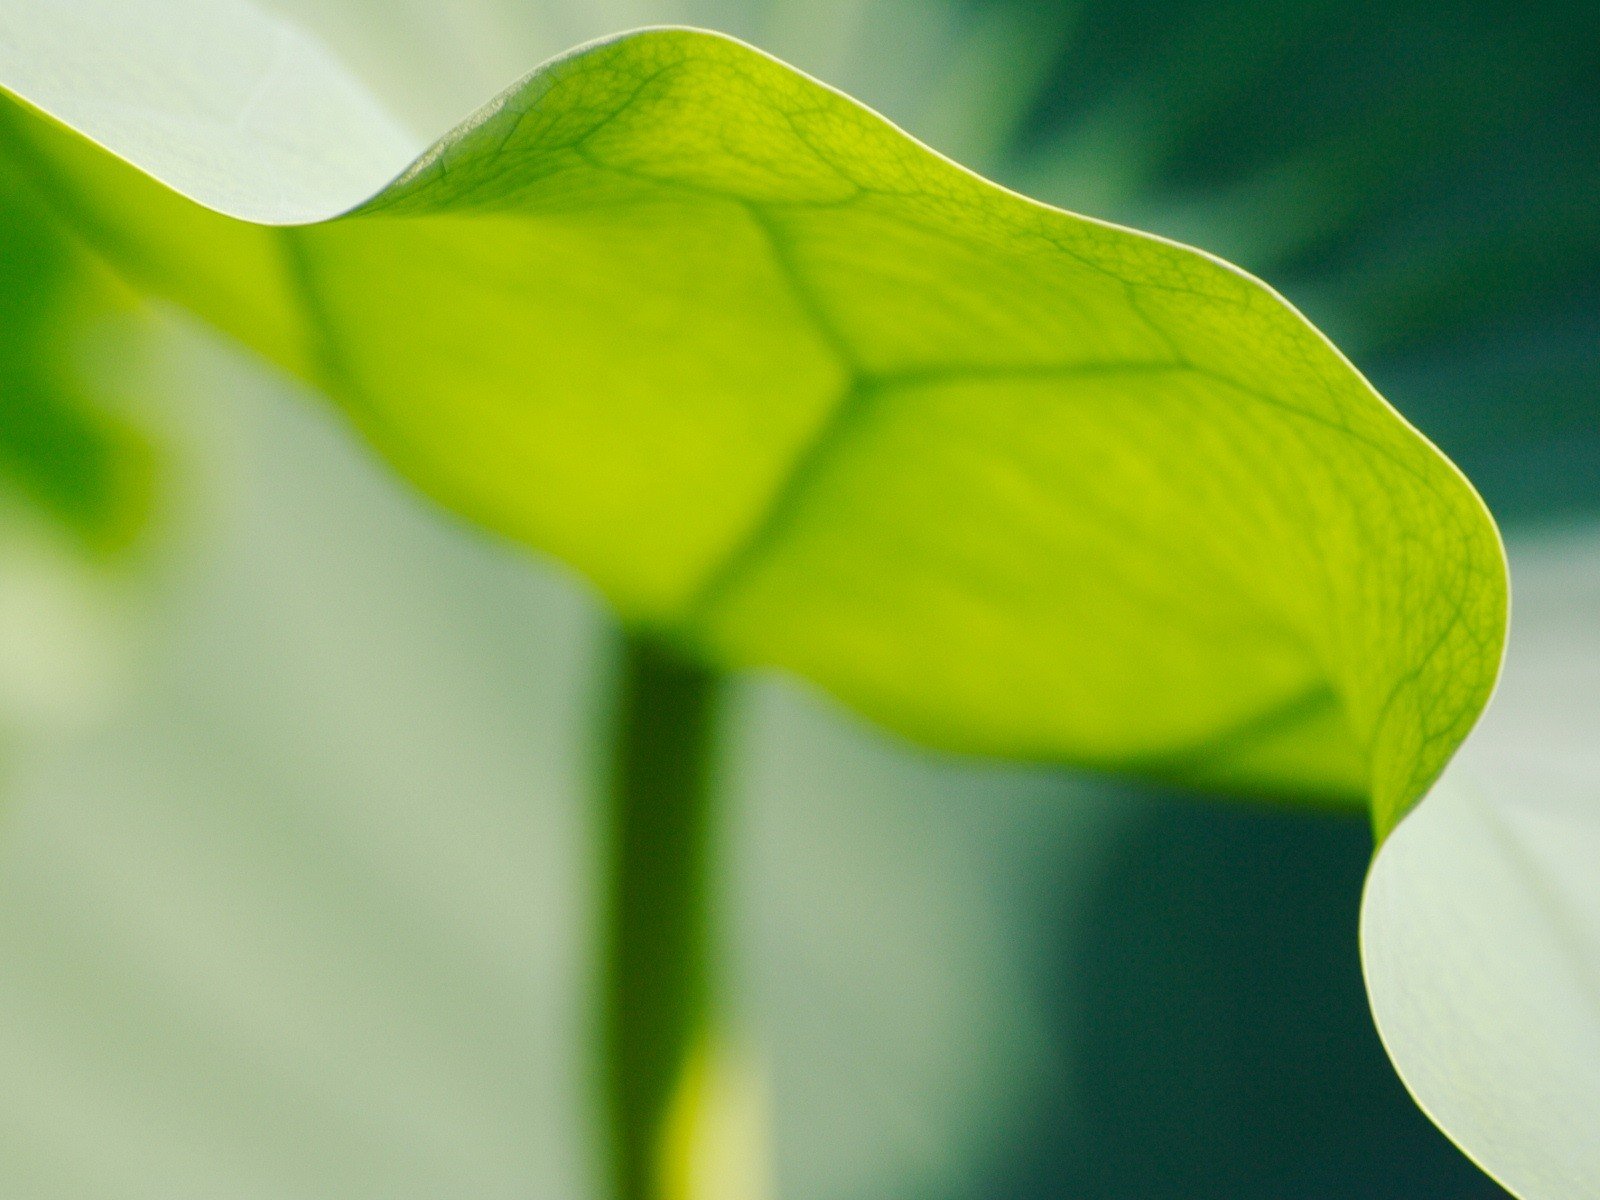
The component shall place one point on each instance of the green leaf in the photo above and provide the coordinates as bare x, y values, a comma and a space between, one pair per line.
794, 391
74, 476
61, 452
1481, 922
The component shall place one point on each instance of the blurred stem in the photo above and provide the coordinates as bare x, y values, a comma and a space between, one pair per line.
655, 981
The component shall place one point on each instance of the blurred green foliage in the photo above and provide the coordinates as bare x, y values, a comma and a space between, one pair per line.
61, 451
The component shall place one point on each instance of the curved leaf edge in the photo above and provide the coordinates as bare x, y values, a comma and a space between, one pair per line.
424, 174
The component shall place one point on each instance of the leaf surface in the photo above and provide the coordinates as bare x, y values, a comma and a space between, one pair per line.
792, 389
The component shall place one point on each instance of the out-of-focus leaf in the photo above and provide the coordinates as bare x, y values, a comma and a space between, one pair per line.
1481, 924
61, 451
74, 475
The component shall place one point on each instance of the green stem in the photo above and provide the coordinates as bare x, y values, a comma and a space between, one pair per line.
655, 982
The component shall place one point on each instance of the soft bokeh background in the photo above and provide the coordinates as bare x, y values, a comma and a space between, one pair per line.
294, 871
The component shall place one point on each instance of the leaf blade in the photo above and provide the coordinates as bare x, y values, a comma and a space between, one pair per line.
613, 313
